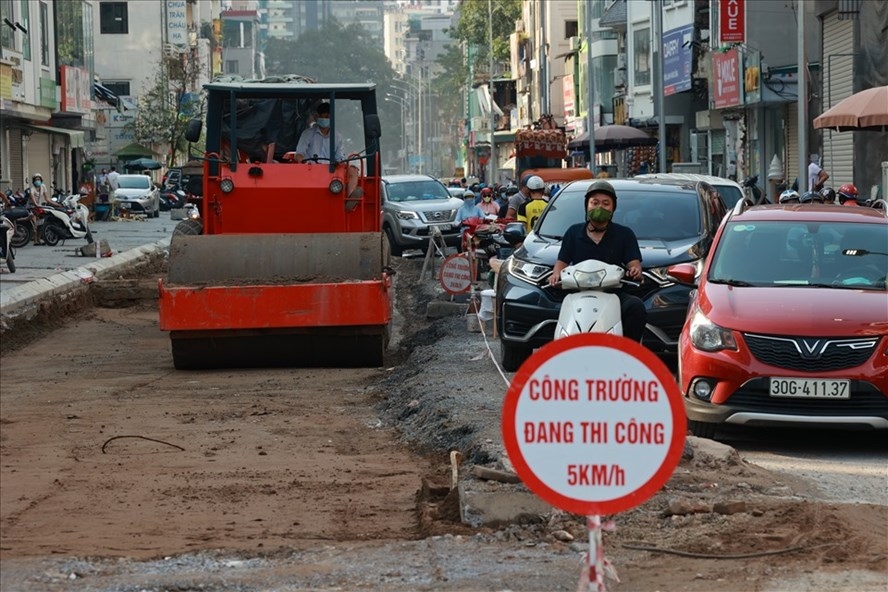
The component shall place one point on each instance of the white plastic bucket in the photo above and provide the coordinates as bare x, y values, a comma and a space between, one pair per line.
486, 312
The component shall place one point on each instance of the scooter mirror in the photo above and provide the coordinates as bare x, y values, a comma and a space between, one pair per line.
514, 233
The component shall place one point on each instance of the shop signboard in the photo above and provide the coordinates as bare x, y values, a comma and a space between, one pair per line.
677, 60
732, 21
726, 75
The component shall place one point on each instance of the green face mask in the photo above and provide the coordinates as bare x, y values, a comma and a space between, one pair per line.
599, 215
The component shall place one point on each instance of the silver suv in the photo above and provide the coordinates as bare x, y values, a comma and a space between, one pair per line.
411, 206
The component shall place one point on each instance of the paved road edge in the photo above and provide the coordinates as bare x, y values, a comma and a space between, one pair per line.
24, 299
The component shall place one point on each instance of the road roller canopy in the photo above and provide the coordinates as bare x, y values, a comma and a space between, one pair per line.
263, 120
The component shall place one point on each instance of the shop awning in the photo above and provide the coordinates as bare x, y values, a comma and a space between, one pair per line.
75, 137
133, 151
106, 95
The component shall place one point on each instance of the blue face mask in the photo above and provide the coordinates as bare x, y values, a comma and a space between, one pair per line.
323, 121
38, 183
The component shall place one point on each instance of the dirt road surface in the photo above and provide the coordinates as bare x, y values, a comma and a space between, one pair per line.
119, 473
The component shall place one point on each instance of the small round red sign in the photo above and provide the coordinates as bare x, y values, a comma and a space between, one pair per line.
456, 274
594, 423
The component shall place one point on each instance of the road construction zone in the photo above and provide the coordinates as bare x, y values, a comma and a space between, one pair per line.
594, 432
594, 475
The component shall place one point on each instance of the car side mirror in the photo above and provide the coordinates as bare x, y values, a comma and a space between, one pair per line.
515, 233
685, 273
192, 132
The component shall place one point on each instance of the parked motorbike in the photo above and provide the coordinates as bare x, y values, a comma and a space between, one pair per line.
7, 250
23, 232
68, 221
590, 309
752, 190
172, 198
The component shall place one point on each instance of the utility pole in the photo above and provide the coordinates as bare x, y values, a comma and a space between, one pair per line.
657, 46
802, 60
591, 102
492, 167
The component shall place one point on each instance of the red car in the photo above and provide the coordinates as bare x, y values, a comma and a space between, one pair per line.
789, 322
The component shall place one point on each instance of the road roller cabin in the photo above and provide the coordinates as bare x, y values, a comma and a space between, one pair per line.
286, 267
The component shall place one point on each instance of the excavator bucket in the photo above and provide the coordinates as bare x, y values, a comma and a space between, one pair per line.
261, 300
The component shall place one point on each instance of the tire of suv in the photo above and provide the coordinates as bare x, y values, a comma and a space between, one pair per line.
702, 429
396, 249
513, 355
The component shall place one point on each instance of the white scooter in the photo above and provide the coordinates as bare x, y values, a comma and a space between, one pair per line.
68, 221
7, 251
590, 309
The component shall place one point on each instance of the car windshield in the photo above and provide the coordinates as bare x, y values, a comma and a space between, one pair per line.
133, 182
787, 253
416, 191
653, 215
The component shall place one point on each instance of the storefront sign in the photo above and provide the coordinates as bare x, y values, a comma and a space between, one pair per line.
677, 60
732, 21
567, 91
177, 23
726, 72
75, 90
752, 86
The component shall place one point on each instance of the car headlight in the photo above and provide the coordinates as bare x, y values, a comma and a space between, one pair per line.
407, 215
709, 337
527, 271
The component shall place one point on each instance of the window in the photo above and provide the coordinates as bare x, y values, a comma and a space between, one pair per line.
7, 38
231, 67
113, 18
25, 21
121, 89
642, 56
44, 34
570, 29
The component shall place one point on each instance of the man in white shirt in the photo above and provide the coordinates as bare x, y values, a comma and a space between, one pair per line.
315, 143
816, 175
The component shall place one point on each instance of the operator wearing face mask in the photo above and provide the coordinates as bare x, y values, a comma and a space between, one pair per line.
38, 195
315, 143
603, 240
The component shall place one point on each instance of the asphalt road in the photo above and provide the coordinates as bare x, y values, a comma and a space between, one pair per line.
35, 262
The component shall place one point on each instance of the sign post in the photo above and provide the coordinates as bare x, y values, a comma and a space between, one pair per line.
594, 424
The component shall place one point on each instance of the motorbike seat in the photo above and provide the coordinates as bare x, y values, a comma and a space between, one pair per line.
16, 213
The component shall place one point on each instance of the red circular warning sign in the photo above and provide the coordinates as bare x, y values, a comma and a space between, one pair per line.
456, 274
594, 423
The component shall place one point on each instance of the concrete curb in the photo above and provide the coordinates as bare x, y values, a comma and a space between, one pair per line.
21, 299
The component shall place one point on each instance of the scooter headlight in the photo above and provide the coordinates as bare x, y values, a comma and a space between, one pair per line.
590, 279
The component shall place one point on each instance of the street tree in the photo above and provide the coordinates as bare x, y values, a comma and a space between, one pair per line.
341, 54
167, 105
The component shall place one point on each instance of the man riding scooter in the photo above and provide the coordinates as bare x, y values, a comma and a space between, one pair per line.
601, 239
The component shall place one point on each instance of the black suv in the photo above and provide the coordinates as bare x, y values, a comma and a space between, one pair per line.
675, 222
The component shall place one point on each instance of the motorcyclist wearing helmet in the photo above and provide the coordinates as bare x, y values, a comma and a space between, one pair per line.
847, 194
828, 194
811, 197
603, 240
790, 196
530, 210
487, 205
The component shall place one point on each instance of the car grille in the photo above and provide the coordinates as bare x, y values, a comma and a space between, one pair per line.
437, 217
865, 399
810, 354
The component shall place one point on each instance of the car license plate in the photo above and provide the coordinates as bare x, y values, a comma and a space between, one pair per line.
810, 388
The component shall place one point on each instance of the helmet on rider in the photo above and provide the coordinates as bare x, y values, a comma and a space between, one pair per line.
469, 194
600, 186
828, 194
511, 190
486, 192
847, 192
36, 176
811, 197
789, 196
535, 183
